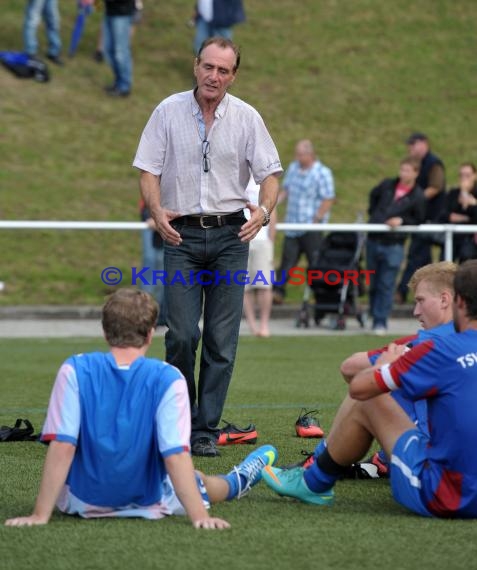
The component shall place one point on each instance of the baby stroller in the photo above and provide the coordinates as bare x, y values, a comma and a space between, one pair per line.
335, 280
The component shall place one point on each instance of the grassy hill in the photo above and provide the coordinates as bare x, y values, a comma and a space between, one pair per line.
355, 77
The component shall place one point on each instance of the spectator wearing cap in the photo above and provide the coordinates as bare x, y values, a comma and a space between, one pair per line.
432, 180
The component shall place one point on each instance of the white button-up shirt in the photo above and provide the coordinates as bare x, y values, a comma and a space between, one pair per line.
239, 143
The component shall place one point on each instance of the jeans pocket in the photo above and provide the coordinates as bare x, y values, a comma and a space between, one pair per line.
234, 229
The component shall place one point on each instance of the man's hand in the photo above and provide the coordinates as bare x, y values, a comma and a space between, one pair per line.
455, 218
251, 228
466, 199
32, 520
394, 222
393, 352
211, 523
162, 219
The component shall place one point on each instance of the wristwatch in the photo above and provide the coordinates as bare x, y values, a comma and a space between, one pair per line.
266, 215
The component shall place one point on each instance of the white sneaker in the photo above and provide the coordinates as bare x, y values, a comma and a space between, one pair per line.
380, 331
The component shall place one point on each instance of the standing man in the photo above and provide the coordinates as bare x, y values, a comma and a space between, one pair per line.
118, 19
195, 156
309, 187
35, 10
432, 180
395, 202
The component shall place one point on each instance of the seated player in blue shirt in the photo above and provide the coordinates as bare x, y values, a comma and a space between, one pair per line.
118, 427
432, 475
433, 289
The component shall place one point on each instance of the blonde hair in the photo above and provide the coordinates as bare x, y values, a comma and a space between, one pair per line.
439, 276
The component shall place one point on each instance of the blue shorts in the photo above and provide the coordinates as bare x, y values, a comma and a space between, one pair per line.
407, 462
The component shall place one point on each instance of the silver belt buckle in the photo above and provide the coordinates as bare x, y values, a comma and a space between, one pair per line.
202, 225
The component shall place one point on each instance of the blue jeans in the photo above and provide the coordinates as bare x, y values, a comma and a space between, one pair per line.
418, 255
385, 260
220, 251
34, 11
117, 49
204, 30
153, 257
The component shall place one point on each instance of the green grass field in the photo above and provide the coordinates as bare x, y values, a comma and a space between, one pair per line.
273, 379
355, 77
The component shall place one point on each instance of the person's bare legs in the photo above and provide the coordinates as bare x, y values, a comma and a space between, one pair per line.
249, 310
264, 301
217, 487
357, 423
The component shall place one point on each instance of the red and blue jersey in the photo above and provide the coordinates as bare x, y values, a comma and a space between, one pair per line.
443, 370
417, 411
123, 422
413, 340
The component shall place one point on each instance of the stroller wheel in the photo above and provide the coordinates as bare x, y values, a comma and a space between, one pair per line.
340, 324
362, 319
318, 316
300, 322
303, 318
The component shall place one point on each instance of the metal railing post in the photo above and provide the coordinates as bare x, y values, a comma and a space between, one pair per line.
449, 244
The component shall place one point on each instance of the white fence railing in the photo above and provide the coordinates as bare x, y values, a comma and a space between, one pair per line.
448, 230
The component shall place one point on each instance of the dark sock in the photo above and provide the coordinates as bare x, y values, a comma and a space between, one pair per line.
323, 473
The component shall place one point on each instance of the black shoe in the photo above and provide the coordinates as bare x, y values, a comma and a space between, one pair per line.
361, 471
372, 468
98, 56
204, 447
56, 59
115, 92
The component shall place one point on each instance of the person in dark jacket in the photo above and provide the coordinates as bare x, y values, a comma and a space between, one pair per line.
432, 180
461, 208
395, 202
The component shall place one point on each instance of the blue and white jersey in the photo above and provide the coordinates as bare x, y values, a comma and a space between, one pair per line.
123, 422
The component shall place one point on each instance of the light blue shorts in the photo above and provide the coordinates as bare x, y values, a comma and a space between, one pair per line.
168, 505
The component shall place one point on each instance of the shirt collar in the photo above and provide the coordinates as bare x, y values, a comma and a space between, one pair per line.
219, 112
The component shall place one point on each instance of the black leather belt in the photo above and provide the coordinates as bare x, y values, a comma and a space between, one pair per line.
212, 221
